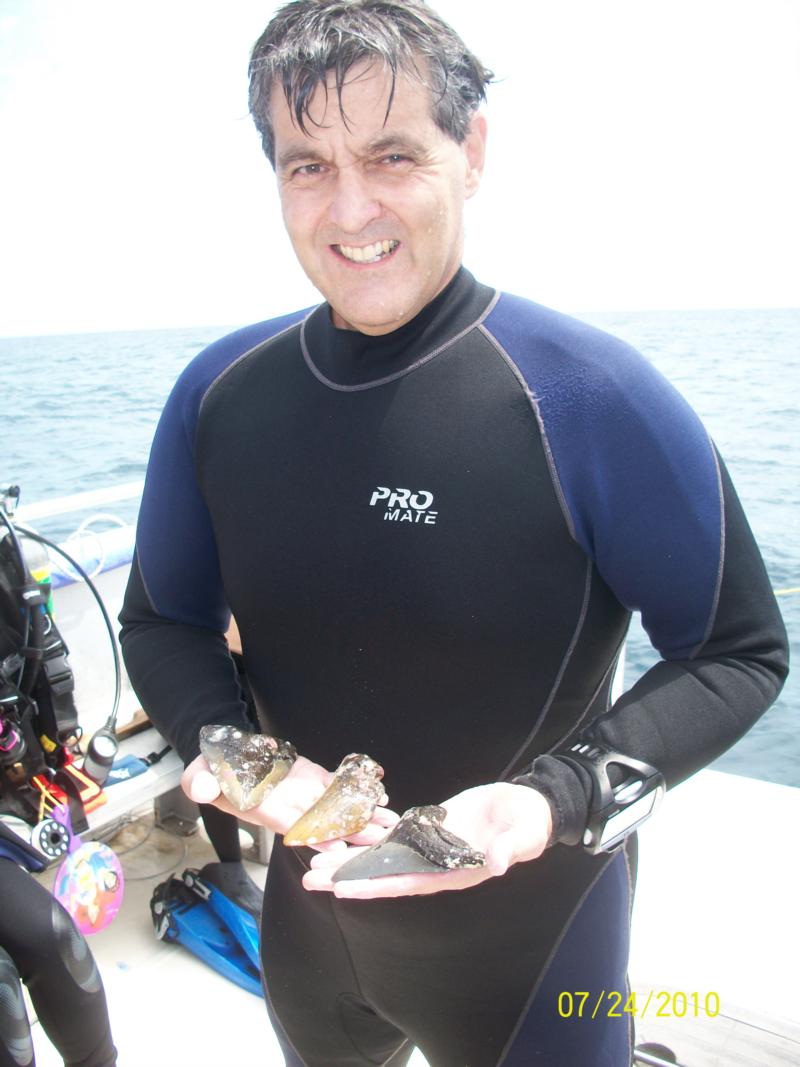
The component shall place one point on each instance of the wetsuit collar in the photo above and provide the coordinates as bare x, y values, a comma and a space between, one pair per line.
349, 359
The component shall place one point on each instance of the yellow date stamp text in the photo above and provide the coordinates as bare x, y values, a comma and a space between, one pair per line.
659, 1004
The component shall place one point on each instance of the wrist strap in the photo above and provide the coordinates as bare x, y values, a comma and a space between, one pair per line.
614, 810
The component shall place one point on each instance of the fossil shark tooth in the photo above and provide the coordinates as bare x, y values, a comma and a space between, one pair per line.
417, 844
247, 765
345, 807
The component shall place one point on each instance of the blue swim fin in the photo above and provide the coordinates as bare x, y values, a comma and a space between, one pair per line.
182, 916
234, 898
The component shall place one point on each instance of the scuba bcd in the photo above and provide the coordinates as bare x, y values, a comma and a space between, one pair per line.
38, 717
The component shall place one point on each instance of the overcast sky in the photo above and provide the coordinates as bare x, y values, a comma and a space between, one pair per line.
643, 154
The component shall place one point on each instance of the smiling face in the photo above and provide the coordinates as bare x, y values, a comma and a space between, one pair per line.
374, 206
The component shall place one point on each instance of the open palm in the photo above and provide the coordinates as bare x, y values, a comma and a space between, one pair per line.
508, 823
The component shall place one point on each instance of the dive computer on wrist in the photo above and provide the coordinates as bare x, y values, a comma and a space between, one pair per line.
614, 810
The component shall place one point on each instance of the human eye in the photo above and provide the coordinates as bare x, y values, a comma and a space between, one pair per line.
398, 159
394, 162
303, 173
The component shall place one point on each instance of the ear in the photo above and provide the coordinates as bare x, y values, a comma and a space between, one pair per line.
475, 153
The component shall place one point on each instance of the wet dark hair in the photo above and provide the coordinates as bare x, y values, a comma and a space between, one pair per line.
306, 39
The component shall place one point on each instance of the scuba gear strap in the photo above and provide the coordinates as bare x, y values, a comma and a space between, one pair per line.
38, 717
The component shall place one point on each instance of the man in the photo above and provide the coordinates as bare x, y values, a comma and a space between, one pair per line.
431, 509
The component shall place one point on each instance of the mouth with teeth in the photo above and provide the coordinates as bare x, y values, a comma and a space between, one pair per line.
373, 253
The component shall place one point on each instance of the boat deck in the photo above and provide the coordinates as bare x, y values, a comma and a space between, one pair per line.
167, 1008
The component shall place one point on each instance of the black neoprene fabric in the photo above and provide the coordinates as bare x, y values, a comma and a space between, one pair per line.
432, 543
40, 946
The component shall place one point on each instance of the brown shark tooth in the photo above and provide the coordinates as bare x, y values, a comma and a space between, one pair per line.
247, 766
345, 807
417, 844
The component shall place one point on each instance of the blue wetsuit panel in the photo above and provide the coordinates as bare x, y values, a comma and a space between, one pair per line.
635, 466
175, 543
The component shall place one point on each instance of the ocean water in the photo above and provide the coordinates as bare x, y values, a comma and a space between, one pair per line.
79, 412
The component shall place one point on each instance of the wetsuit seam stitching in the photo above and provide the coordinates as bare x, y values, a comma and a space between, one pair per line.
550, 957
631, 1032
611, 667
356, 976
343, 1024
262, 345
145, 585
534, 403
421, 362
357, 980
720, 566
565, 661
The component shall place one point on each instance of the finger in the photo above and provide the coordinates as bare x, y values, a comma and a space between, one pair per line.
305, 769
190, 771
318, 881
405, 885
500, 854
385, 817
295, 794
201, 786
370, 835
328, 848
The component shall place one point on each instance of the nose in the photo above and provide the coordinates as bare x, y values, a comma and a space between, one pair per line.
353, 205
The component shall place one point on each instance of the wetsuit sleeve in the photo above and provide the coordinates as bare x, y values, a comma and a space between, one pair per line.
182, 674
685, 712
174, 613
647, 497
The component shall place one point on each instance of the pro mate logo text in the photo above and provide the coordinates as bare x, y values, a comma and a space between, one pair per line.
403, 505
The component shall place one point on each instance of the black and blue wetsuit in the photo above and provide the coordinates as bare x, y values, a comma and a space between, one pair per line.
432, 542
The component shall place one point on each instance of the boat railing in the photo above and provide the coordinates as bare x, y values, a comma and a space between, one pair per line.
92, 498
101, 541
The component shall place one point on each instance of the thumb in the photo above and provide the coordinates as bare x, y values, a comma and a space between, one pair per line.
500, 853
199, 783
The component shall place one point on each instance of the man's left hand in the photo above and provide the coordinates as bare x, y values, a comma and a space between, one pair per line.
508, 823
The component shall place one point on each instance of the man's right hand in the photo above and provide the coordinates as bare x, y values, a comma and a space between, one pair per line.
292, 797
